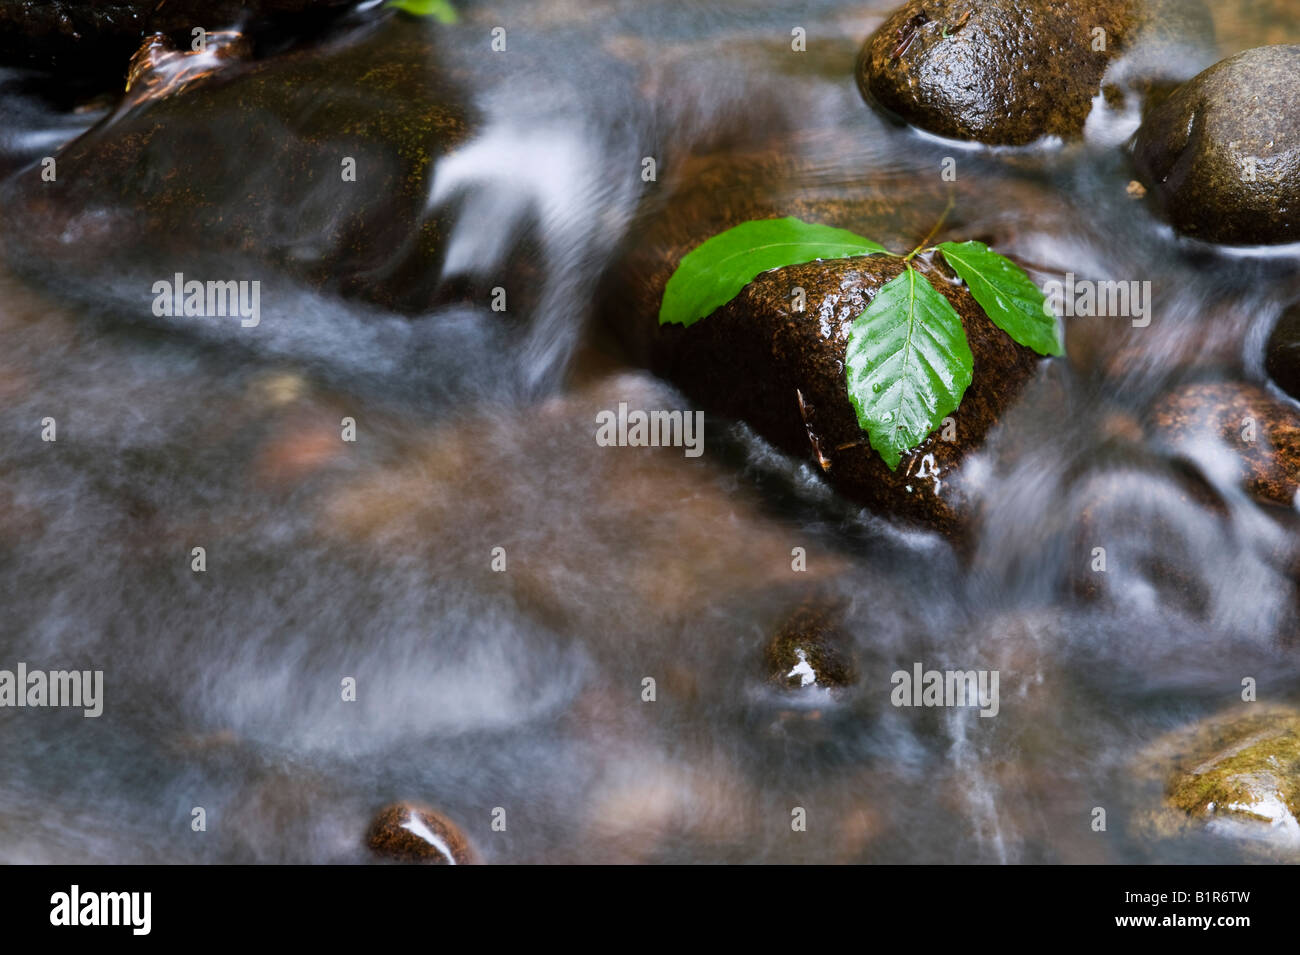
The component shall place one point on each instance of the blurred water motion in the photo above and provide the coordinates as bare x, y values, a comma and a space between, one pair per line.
522, 689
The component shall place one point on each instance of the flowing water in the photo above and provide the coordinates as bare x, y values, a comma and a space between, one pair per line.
522, 690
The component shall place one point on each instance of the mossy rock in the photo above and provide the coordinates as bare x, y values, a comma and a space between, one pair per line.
1235, 775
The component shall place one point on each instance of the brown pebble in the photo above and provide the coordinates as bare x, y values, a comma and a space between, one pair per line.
810, 648
405, 832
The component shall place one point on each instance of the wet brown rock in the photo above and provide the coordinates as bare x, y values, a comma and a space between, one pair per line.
1235, 775
1014, 71
1282, 356
158, 68
791, 382
409, 833
810, 649
240, 164
782, 371
1261, 432
1221, 155
1002, 72
83, 35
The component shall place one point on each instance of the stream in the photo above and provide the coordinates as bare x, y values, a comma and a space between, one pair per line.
522, 689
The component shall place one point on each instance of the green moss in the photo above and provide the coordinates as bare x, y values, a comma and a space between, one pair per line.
1253, 755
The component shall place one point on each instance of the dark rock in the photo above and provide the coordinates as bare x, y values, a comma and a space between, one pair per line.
1260, 431
88, 35
810, 649
1014, 71
1221, 155
1002, 72
1282, 356
783, 371
408, 833
243, 162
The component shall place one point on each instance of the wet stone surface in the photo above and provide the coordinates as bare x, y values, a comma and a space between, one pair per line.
810, 648
409, 833
1234, 776
97, 35
1282, 354
1005, 72
1221, 155
317, 164
782, 371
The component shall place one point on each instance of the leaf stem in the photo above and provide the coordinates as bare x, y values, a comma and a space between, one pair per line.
930, 235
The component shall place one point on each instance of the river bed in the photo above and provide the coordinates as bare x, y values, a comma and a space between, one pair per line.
522, 689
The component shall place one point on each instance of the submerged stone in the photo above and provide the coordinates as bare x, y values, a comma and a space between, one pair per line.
1236, 776
1259, 434
408, 833
810, 649
83, 36
1140, 528
316, 164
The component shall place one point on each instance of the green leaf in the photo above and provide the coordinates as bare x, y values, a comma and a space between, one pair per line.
1007, 295
712, 274
440, 10
908, 364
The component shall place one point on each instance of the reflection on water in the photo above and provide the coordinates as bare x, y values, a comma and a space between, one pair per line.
522, 689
